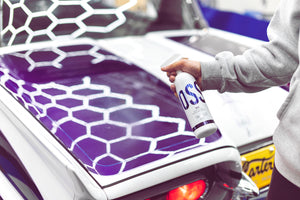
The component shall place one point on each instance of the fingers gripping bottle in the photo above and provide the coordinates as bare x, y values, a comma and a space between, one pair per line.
193, 103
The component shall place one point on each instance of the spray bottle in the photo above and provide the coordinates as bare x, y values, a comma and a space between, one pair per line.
193, 103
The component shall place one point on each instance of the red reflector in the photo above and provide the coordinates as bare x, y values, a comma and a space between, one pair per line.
192, 191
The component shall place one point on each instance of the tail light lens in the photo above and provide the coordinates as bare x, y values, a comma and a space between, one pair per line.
191, 191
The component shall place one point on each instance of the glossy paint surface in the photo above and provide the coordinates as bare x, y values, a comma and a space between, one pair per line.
112, 115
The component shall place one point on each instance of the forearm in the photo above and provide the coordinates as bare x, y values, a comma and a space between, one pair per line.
268, 65
255, 70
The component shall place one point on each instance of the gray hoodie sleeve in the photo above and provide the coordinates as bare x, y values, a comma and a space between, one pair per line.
271, 64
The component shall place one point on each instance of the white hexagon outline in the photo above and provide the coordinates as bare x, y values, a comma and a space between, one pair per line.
121, 19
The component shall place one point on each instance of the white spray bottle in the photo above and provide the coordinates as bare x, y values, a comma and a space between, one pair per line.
193, 103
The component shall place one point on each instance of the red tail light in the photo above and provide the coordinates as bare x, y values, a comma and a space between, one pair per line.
192, 191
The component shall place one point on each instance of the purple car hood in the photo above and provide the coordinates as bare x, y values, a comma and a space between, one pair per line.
109, 113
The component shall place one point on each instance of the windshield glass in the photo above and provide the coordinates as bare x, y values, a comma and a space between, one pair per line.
31, 21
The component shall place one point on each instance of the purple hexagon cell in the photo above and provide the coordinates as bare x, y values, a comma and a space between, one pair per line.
72, 130
43, 56
54, 91
88, 115
130, 115
42, 99
69, 102
128, 148
107, 102
108, 131
87, 92
89, 149
108, 166
154, 129
56, 114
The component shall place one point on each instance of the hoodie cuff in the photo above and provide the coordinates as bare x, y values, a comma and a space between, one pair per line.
211, 75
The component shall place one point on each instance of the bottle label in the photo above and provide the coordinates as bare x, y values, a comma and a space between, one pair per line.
192, 101
191, 95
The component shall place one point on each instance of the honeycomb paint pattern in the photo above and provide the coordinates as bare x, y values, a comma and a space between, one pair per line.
27, 21
109, 113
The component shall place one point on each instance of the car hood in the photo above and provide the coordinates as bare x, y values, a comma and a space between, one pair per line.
112, 115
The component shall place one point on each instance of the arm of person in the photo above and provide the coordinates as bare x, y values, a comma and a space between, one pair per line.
271, 64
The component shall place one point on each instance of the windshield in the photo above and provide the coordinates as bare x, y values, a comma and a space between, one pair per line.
31, 21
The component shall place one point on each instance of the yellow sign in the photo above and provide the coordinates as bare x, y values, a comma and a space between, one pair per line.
259, 164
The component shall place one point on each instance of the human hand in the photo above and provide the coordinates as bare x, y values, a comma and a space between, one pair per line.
190, 66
